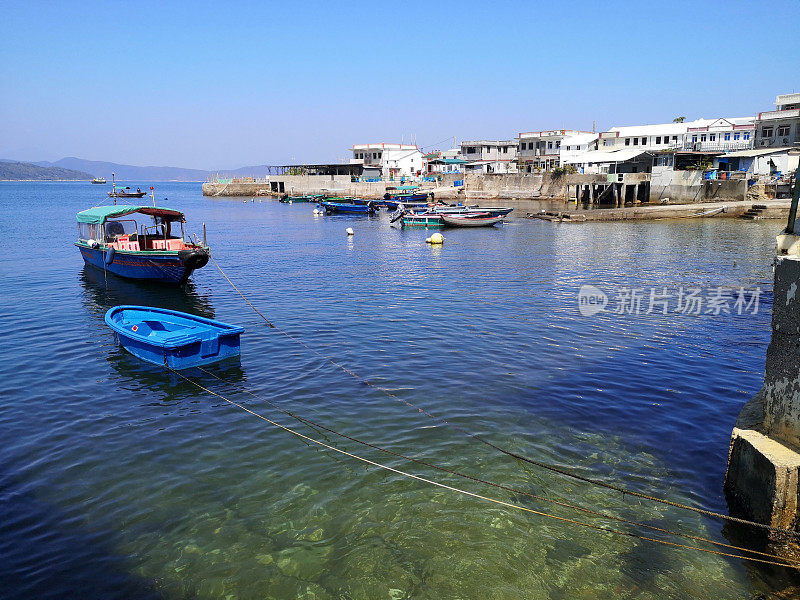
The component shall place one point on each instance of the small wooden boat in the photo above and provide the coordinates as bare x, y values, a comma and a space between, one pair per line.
100, 180
471, 219
139, 242
332, 206
170, 338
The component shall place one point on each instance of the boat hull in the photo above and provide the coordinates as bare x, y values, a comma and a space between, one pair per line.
171, 338
347, 209
467, 220
166, 267
425, 221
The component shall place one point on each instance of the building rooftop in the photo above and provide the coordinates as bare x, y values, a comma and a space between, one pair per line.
783, 99
384, 146
490, 143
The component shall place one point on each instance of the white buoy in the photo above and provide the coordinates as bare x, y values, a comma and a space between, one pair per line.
427, 240
350, 231
437, 238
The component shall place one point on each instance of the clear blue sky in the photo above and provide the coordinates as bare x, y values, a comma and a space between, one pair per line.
221, 85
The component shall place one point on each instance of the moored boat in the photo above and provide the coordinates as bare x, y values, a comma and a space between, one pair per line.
138, 242
287, 199
99, 180
174, 339
470, 219
335, 206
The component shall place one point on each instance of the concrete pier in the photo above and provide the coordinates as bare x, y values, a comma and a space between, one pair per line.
762, 482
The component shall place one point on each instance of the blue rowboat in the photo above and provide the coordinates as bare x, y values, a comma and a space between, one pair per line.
170, 338
139, 242
348, 208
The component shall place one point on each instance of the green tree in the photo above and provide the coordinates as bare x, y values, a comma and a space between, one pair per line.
678, 119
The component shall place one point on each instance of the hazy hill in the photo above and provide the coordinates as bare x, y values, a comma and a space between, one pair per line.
22, 171
128, 172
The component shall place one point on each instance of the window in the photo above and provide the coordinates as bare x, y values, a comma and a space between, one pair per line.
644, 141
505, 149
486, 149
735, 136
703, 138
766, 132
558, 144
783, 130
746, 136
635, 141
568, 148
549, 145
727, 137
694, 138
470, 149
627, 141
375, 155
712, 137
523, 146
658, 139
380, 154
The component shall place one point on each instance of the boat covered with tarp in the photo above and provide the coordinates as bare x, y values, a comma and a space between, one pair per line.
139, 242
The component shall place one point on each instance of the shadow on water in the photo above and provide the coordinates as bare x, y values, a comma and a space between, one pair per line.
44, 553
102, 291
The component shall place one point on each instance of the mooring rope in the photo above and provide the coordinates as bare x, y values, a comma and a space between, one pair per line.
315, 425
512, 454
786, 564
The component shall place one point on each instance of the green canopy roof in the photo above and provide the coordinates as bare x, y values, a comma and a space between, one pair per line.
99, 214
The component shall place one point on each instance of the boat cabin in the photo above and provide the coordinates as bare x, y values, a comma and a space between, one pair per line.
132, 228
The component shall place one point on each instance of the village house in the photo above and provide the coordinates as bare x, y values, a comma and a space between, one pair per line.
445, 161
780, 127
541, 150
389, 161
484, 156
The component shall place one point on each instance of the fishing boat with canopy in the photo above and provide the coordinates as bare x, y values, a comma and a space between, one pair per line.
139, 242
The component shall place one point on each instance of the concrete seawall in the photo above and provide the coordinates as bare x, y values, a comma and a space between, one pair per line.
673, 187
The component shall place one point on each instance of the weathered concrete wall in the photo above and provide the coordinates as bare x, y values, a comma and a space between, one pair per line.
515, 185
761, 483
689, 186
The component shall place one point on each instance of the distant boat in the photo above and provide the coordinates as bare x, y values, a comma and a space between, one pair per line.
139, 242
100, 180
119, 192
174, 339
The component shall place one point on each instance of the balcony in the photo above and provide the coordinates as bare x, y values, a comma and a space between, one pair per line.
730, 146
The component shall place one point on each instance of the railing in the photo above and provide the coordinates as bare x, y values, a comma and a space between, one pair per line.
730, 146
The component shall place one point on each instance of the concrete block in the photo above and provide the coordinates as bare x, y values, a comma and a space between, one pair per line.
761, 482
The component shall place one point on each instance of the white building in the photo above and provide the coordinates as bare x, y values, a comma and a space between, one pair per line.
394, 160
485, 156
575, 145
721, 135
541, 150
780, 127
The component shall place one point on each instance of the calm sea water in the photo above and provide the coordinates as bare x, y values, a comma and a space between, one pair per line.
120, 480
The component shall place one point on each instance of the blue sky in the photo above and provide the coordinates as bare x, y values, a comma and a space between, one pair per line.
221, 85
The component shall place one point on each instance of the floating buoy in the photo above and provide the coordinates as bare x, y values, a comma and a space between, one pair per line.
427, 240
437, 238
350, 231
316, 211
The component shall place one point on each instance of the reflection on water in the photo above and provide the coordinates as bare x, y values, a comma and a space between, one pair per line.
182, 495
104, 290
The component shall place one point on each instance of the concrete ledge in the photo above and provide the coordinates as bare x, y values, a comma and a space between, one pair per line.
762, 480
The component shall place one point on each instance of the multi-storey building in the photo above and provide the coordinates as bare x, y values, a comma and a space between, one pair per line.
485, 156
541, 150
780, 127
394, 160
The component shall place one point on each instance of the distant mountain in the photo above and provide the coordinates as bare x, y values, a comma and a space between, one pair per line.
21, 171
128, 172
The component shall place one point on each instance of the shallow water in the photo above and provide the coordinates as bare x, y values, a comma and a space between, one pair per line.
118, 479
